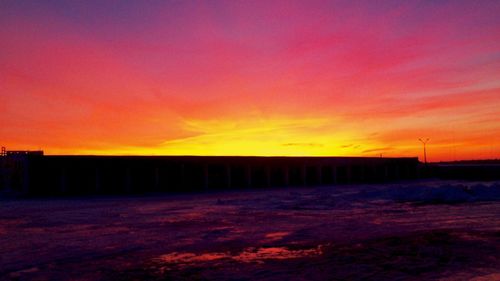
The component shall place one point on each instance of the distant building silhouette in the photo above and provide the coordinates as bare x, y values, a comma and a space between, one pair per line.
6, 152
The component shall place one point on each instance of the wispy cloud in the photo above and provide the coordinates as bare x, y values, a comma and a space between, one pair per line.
304, 144
380, 149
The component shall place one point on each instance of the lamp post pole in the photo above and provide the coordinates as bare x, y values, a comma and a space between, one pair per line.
425, 152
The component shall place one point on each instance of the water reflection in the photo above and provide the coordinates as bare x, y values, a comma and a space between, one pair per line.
488, 277
278, 253
248, 255
273, 236
186, 258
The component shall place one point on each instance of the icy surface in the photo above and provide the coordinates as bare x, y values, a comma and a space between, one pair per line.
405, 231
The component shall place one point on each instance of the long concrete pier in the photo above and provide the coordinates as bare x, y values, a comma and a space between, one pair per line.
78, 175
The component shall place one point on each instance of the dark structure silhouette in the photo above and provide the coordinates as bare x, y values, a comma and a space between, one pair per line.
35, 174
482, 170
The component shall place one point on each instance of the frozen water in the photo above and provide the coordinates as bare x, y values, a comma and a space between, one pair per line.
447, 193
405, 231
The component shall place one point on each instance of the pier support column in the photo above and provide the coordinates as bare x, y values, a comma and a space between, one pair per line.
7, 174
165, 180
156, 184
128, 180
205, 177
97, 180
362, 172
286, 175
397, 174
227, 171
3, 176
303, 175
319, 173
248, 176
349, 174
63, 188
25, 180
334, 174
268, 176
183, 177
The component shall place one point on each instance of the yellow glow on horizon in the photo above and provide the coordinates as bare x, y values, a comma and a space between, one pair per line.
277, 136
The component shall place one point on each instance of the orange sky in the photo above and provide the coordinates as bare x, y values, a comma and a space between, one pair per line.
251, 78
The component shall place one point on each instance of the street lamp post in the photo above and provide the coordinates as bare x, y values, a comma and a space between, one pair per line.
425, 152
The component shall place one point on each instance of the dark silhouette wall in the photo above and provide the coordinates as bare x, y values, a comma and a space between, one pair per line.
74, 175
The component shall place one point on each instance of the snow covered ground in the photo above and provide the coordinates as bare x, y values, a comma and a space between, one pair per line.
446, 230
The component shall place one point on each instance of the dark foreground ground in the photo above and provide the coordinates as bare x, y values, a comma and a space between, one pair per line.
406, 231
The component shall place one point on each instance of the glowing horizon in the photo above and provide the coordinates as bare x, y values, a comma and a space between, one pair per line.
270, 78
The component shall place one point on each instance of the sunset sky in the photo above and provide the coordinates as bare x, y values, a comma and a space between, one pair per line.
322, 78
